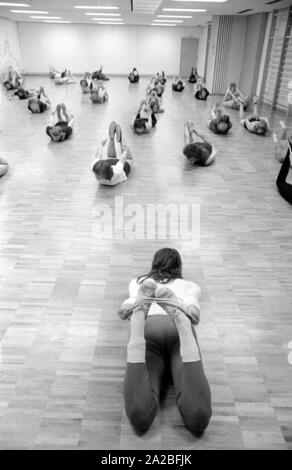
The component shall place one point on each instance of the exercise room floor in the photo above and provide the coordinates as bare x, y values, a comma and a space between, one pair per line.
63, 347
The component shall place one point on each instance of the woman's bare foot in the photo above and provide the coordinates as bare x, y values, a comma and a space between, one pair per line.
146, 291
172, 305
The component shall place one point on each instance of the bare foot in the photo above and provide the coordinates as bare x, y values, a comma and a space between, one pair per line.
146, 291
172, 305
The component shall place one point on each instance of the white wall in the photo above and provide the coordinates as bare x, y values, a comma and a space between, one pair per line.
9, 46
253, 52
118, 48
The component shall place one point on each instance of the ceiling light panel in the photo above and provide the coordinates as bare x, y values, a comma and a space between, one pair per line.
83, 7
174, 16
148, 7
30, 12
168, 21
10, 4
102, 14
195, 10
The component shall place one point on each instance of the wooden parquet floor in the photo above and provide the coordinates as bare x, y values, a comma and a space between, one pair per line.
63, 348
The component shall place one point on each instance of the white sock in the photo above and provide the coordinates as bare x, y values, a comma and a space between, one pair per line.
189, 349
137, 345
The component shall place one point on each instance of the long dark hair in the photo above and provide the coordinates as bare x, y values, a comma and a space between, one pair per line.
166, 266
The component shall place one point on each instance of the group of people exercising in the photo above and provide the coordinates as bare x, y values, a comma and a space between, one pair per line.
162, 307
197, 149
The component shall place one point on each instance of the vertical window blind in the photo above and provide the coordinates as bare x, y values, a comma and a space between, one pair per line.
278, 65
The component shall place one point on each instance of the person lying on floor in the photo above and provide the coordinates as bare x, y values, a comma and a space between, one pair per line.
134, 76
154, 102
98, 92
162, 310
61, 124
99, 75
22, 94
53, 73
253, 123
13, 79
197, 150
109, 166
220, 121
65, 79
39, 103
178, 84
145, 119
159, 87
193, 76
86, 83
280, 139
233, 97
161, 77
200, 91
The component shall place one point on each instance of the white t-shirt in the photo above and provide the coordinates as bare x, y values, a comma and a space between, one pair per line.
187, 292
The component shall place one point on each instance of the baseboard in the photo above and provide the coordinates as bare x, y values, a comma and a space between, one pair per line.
46, 74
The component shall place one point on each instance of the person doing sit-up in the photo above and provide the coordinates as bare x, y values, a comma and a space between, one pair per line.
61, 124
111, 165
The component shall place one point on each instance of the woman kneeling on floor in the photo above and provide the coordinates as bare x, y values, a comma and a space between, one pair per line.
162, 310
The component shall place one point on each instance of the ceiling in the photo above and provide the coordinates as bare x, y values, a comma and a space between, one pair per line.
138, 12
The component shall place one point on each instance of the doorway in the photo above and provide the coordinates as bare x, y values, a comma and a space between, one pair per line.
188, 56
